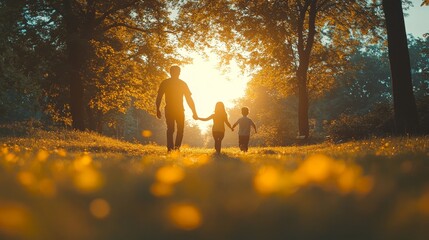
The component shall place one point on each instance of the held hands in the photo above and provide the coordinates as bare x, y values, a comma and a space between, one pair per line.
232, 129
195, 116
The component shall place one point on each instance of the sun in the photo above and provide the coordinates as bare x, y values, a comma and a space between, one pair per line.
208, 85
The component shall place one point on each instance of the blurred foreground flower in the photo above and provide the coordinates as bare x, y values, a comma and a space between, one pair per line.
99, 208
82, 162
14, 219
185, 216
42, 155
88, 180
267, 180
319, 170
166, 177
170, 174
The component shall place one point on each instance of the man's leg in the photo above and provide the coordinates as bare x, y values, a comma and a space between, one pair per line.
170, 130
180, 120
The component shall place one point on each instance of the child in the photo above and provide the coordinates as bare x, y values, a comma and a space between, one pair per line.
219, 118
244, 129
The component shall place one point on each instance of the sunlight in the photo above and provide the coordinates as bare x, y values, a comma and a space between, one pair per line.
209, 85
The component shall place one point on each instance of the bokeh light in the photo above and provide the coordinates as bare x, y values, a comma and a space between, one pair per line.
185, 216
14, 218
99, 208
146, 133
170, 174
88, 180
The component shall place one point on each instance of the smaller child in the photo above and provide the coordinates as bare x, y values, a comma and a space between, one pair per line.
244, 129
219, 119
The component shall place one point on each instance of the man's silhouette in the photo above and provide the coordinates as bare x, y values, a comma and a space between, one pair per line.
174, 90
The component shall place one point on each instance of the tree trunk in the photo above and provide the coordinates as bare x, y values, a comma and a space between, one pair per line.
76, 100
75, 61
305, 46
404, 105
95, 122
303, 103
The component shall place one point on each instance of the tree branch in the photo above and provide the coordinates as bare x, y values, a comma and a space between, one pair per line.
135, 28
112, 10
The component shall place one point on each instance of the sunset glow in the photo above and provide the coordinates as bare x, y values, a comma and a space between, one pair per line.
209, 85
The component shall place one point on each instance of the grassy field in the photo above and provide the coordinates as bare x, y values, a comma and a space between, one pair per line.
69, 185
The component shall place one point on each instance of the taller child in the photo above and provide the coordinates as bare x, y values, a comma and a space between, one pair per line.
174, 89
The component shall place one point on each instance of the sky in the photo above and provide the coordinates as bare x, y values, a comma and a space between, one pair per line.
417, 21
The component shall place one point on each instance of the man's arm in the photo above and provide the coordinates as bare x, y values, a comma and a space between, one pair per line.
158, 100
205, 119
191, 105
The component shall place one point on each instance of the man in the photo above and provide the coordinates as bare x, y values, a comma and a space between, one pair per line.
174, 90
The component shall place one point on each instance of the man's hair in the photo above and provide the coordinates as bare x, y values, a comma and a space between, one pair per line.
245, 111
174, 70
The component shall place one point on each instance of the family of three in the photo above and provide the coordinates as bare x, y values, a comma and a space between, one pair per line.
174, 90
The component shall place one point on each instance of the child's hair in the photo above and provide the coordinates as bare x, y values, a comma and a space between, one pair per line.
245, 111
220, 109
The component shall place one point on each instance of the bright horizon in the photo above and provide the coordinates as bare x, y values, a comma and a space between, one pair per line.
209, 84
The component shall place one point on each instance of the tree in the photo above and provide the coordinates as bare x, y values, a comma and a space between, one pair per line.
298, 37
105, 44
405, 110
419, 59
20, 79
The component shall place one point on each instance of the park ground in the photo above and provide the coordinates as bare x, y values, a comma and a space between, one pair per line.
79, 185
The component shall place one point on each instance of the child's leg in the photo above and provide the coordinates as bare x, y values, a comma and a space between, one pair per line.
240, 142
246, 143
217, 144
218, 136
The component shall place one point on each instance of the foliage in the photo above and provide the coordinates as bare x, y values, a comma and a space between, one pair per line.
275, 116
377, 122
305, 42
117, 50
365, 84
85, 186
423, 111
20, 90
419, 57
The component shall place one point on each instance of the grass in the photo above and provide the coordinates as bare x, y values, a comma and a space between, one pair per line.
73, 185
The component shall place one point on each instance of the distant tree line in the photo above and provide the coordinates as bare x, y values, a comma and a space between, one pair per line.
95, 65
359, 103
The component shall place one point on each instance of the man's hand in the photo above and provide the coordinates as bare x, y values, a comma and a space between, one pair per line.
158, 114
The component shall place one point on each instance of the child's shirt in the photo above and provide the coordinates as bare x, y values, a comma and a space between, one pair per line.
244, 124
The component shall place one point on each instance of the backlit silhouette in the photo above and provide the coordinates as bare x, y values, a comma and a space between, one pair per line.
244, 124
220, 118
174, 90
